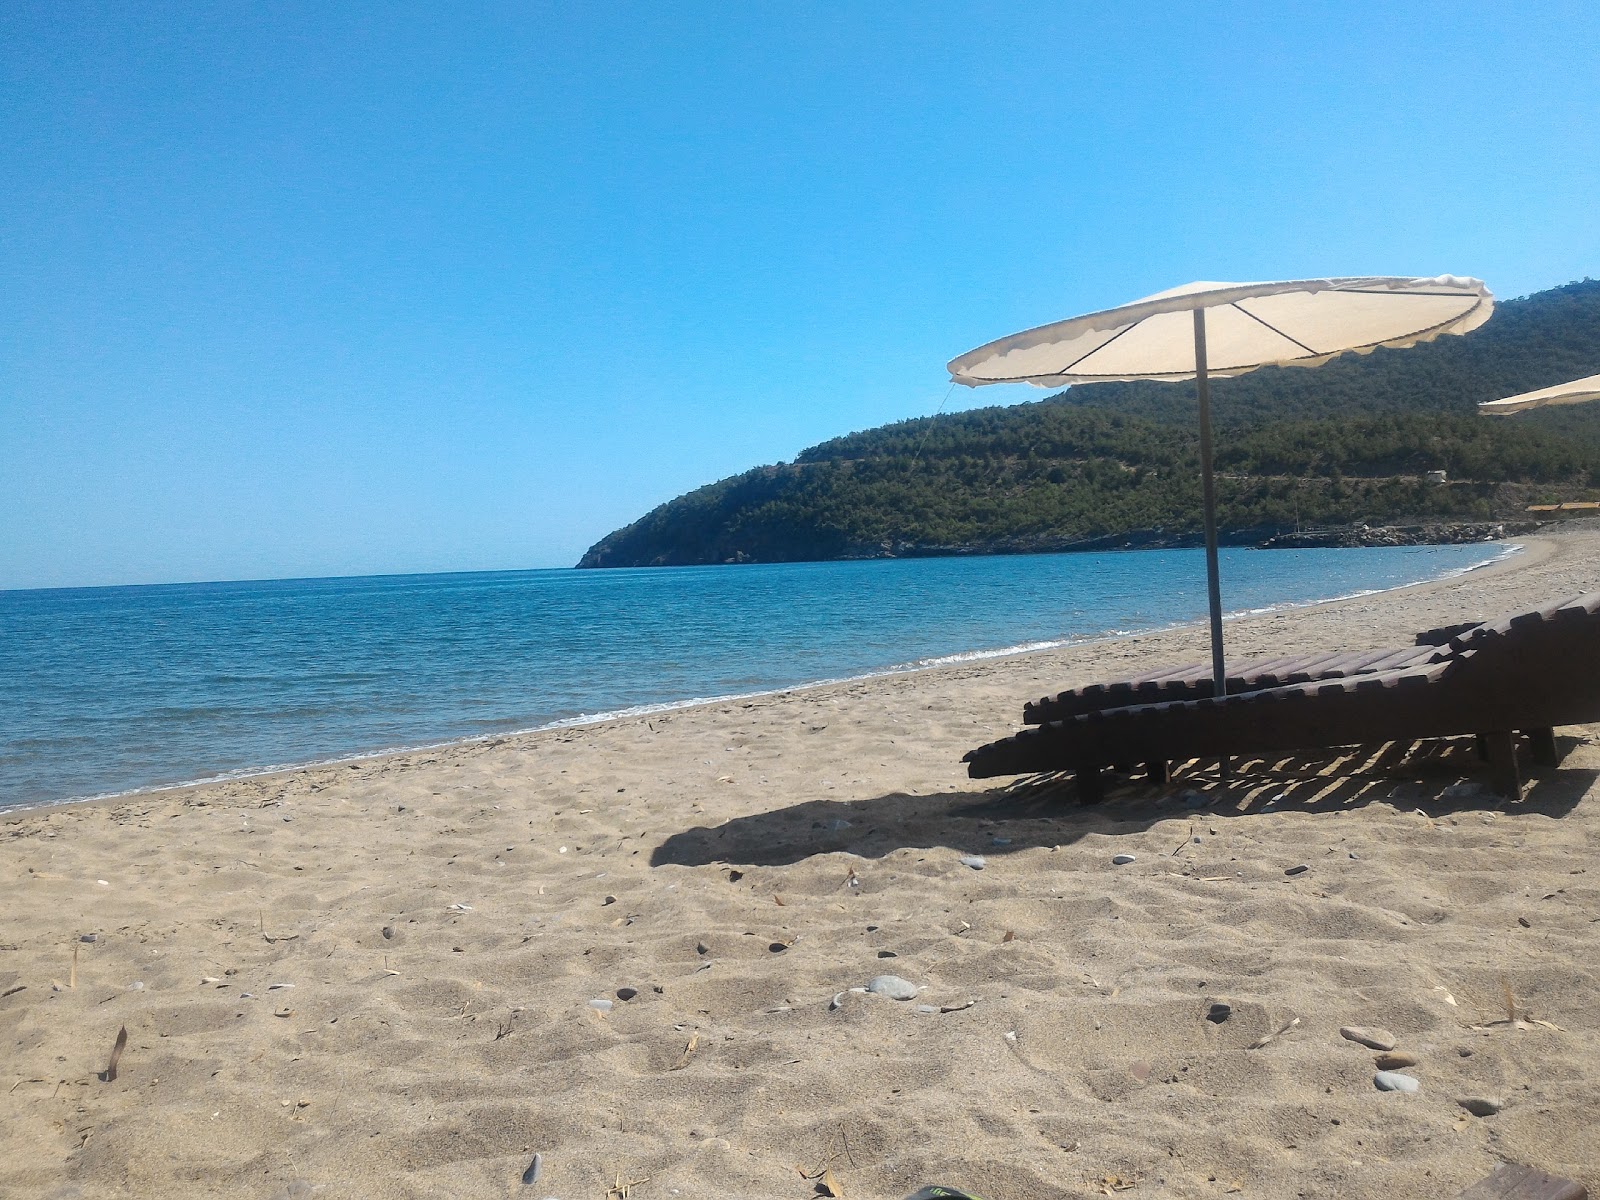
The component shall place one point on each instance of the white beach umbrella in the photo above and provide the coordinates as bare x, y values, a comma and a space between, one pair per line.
1204, 329
1576, 392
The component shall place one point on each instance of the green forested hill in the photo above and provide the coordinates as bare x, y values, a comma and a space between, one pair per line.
1344, 442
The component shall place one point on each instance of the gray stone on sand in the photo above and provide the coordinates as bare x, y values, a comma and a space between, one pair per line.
1374, 1039
893, 987
1219, 1012
1393, 1081
1121, 860
975, 861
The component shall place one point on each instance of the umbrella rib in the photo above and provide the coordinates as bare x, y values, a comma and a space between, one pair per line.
1275, 329
1100, 347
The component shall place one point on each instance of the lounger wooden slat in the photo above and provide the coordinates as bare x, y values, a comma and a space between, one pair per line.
1193, 681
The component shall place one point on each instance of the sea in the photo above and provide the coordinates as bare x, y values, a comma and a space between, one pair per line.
115, 690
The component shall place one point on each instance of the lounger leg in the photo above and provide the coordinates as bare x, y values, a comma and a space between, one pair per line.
1542, 746
1158, 770
1090, 790
1501, 749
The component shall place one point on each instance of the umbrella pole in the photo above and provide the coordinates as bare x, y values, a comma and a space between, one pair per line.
1219, 676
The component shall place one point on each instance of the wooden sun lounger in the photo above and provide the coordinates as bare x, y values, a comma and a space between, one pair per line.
1529, 673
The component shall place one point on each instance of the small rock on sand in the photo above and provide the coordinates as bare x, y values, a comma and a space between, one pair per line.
893, 987
1219, 1012
1393, 1081
975, 861
1121, 860
1394, 1061
1375, 1039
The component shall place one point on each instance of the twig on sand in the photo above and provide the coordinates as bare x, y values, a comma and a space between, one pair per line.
1260, 1042
688, 1051
110, 1073
620, 1190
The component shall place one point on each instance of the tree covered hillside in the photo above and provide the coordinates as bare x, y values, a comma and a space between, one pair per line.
1349, 441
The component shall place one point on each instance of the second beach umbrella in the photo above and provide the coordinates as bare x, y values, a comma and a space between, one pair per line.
1578, 391
1223, 329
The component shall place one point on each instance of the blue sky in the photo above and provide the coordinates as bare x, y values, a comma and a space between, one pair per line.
346, 289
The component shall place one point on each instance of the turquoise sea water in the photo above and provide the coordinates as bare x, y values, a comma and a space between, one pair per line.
106, 690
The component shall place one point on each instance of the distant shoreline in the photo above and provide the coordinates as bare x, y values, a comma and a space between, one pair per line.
1434, 533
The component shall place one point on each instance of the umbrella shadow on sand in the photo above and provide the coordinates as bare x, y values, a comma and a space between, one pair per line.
1439, 779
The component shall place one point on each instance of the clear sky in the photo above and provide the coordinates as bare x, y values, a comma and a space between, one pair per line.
329, 289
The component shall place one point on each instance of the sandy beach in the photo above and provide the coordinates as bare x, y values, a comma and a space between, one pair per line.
375, 979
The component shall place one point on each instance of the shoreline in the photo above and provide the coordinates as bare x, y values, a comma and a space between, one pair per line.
1509, 552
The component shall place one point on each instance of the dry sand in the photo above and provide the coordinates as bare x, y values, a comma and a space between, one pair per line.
374, 978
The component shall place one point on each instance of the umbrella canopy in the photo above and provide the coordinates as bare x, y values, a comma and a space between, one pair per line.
1296, 323
1204, 329
1576, 392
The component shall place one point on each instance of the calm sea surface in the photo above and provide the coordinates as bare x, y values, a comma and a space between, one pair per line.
107, 690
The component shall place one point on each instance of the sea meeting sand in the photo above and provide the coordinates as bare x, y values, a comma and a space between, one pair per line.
373, 979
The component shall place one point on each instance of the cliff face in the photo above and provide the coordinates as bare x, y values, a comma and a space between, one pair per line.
1115, 464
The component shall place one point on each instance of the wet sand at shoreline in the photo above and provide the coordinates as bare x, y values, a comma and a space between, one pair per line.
443, 918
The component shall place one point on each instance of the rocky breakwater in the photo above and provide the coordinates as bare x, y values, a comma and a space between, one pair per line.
1441, 534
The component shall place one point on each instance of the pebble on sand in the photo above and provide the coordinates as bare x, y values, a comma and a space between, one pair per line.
1393, 1062
893, 987
975, 861
1121, 860
1219, 1012
600, 1005
1375, 1039
1393, 1081
1299, 870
